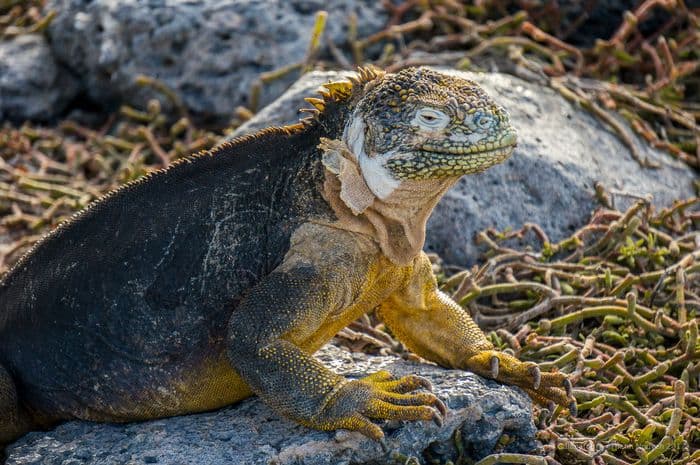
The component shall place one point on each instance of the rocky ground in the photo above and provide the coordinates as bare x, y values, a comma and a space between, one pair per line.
481, 413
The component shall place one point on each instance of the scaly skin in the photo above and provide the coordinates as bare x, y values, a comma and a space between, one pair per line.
232, 267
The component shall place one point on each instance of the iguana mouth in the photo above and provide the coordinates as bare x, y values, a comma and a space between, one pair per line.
447, 147
435, 162
477, 159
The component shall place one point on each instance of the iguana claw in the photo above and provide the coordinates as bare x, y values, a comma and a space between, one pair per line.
536, 377
542, 387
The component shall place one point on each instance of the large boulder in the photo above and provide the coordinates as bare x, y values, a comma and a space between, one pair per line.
249, 433
210, 52
32, 85
562, 151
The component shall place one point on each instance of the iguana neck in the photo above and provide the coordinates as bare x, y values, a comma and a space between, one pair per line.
397, 223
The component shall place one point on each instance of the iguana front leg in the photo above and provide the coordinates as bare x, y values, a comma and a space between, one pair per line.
279, 313
438, 329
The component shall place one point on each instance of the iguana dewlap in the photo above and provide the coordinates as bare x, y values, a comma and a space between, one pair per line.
218, 277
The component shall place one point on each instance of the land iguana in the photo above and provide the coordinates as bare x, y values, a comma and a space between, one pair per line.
218, 277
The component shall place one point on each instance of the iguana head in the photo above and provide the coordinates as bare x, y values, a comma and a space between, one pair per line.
419, 124
394, 144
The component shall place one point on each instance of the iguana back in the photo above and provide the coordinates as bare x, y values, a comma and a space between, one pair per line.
152, 272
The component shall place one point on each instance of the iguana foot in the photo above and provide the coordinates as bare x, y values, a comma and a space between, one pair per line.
543, 388
379, 396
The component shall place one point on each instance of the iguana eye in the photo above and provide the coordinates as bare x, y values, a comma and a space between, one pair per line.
430, 119
483, 120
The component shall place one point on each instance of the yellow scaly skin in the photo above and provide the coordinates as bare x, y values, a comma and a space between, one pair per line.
418, 313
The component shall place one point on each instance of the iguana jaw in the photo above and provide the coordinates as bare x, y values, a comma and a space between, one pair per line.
507, 141
434, 161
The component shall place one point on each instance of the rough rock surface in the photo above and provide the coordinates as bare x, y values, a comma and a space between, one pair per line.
32, 85
209, 52
249, 433
562, 150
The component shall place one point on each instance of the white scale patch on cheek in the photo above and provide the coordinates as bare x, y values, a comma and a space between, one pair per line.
378, 178
354, 135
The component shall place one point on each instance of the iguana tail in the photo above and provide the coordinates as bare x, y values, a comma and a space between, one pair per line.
14, 422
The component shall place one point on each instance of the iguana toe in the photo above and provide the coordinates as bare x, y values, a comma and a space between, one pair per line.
389, 382
536, 374
542, 387
379, 396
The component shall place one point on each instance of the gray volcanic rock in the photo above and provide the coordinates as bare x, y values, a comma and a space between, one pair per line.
210, 52
32, 85
249, 433
562, 151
